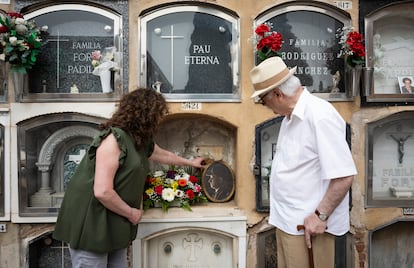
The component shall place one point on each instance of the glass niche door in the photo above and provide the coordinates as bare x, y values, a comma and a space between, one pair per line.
389, 71
64, 66
190, 53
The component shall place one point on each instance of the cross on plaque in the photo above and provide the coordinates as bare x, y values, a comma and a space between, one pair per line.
77, 157
58, 40
172, 37
62, 248
192, 241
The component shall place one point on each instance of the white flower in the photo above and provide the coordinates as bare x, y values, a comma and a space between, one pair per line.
168, 194
13, 40
20, 21
158, 173
21, 29
179, 193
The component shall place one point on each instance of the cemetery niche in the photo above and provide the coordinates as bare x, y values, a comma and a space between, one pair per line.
389, 44
64, 66
191, 53
390, 161
266, 141
309, 32
50, 149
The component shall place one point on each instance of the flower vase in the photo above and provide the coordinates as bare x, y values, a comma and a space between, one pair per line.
106, 81
368, 80
20, 83
353, 80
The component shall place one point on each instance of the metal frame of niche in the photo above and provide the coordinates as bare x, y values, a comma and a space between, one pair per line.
208, 9
322, 8
399, 176
5, 178
3, 75
262, 181
108, 13
400, 10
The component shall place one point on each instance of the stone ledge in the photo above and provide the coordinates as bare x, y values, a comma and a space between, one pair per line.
200, 212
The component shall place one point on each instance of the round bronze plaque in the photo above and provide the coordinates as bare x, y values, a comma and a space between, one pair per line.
218, 182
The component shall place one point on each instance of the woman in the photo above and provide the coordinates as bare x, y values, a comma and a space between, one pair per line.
100, 211
407, 87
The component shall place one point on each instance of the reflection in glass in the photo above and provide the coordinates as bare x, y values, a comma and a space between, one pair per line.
71, 160
266, 145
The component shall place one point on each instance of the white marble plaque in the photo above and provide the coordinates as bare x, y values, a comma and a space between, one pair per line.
393, 158
191, 249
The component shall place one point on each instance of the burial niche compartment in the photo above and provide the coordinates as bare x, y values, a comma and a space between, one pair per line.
44, 251
50, 148
309, 30
388, 38
390, 180
196, 135
64, 65
392, 245
183, 46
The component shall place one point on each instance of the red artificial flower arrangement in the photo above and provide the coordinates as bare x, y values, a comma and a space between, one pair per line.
268, 43
20, 41
352, 47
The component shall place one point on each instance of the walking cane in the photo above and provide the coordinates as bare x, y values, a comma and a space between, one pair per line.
310, 252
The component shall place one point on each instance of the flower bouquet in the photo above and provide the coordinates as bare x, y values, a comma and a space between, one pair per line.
20, 41
174, 186
103, 64
268, 43
352, 47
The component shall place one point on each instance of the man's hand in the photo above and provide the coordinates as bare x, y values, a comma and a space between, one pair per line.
313, 226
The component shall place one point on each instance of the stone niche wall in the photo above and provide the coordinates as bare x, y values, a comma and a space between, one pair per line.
198, 135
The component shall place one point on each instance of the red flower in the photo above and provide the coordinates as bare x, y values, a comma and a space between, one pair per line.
193, 179
3, 29
15, 15
158, 189
190, 194
268, 43
262, 29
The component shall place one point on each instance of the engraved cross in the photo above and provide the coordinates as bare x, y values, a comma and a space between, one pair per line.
172, 37
58, 40
192, 241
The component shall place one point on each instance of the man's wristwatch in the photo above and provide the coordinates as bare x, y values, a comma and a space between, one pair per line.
321, 216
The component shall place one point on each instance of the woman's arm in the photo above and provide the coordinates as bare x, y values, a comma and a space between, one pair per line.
166, 157
107, 157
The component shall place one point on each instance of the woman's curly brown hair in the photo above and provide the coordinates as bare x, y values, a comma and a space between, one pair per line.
139, 114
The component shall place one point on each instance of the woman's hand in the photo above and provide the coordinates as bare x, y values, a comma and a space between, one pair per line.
136, 215
198, 162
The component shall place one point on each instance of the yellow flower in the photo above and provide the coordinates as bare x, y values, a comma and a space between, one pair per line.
149, 191
174, 185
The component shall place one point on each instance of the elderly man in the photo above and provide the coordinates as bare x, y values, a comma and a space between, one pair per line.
312, 170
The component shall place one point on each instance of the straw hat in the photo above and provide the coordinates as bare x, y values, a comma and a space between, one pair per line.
269, 74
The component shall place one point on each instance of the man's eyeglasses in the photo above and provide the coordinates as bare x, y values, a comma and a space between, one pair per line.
261, 99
